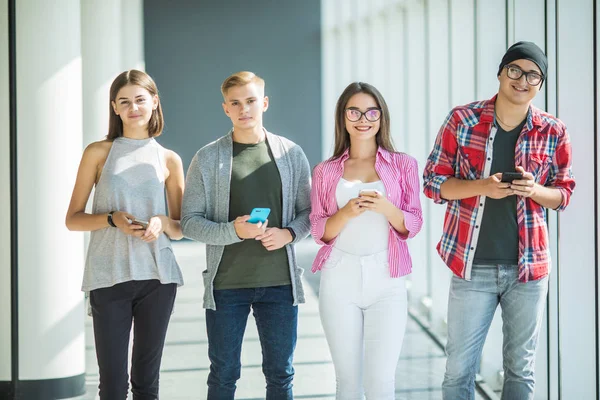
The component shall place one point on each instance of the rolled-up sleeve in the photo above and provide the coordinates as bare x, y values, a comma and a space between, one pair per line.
440, 164
411, 204
561, 174
318, 214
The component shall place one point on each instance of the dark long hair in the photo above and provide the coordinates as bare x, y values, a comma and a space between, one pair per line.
342, 137
141, 79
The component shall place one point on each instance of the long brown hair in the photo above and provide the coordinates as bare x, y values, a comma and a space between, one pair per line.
342, 137
143, 80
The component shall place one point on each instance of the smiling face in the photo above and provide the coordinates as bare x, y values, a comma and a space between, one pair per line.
365, 128
134, 105
518, 92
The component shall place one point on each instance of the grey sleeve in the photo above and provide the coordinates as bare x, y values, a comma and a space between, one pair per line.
194, 223
301, 223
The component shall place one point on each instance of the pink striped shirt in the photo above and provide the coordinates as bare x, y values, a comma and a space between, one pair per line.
400, 176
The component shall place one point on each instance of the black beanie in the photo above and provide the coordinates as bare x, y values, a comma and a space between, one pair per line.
525, 51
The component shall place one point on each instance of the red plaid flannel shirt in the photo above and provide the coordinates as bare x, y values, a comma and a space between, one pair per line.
461, 147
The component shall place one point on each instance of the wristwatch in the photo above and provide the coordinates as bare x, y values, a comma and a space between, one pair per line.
291, 233
110, 220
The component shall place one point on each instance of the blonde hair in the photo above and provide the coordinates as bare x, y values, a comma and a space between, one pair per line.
240, 79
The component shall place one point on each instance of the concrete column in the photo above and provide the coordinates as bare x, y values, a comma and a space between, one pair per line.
5, 267
112, 41
101, 43
49, 101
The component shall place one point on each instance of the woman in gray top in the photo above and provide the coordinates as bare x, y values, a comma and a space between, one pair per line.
130, 273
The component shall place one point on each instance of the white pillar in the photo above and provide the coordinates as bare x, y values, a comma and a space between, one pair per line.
416, 144
439, 107
101, 43
50, 258
5, 267
112, 41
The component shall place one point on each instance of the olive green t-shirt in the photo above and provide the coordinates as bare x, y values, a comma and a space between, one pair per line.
255, 182
498, 241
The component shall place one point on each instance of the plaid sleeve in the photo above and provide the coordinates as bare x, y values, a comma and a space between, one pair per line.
441, 162
561, 175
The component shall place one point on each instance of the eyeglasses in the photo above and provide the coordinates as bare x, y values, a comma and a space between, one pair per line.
515, 73
372, 114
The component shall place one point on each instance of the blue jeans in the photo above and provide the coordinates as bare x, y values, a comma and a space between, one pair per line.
471, 309
276, 320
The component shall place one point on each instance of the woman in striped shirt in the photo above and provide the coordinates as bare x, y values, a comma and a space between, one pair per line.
365, 205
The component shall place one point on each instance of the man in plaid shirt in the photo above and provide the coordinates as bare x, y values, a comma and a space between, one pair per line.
498, 164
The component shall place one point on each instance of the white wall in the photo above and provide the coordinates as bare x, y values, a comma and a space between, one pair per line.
577, 243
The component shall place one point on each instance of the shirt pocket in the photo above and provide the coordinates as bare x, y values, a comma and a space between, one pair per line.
539, 166
470, 162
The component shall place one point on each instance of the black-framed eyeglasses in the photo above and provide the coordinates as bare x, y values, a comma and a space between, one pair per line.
515, 73
354, 115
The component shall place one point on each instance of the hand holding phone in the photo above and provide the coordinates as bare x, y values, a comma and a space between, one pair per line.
508, 177
374, 200
143, 224
525, 186
259, 215
250, 226
370, 192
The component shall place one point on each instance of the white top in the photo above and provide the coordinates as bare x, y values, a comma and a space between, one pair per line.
369, 232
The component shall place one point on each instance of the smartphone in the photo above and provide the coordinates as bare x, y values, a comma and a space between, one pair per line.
259, 215
369, 192
511, 176
143, 224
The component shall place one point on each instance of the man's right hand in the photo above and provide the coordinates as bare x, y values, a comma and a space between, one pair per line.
246, 230
494, 188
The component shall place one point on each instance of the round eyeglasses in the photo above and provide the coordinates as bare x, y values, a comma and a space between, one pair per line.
515, 73
354, 115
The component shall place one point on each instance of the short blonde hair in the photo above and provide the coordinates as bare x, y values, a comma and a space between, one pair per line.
240, 79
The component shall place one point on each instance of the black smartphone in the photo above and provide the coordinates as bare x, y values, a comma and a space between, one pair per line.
511, 176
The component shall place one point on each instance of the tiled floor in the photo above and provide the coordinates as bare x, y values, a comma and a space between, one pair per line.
185, 362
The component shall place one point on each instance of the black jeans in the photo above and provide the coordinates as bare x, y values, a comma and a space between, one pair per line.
148, 304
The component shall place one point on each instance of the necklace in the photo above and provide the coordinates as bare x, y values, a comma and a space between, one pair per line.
505, 124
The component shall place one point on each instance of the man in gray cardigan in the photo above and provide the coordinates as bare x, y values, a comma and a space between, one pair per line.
249, 265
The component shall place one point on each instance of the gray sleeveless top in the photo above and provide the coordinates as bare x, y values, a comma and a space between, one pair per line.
132, 181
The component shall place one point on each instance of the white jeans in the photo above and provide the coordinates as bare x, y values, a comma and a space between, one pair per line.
364, 313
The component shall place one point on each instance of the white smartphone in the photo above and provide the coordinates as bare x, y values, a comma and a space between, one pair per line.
369, 192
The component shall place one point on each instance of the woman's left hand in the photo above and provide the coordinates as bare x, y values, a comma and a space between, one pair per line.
374, 201
156, 226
